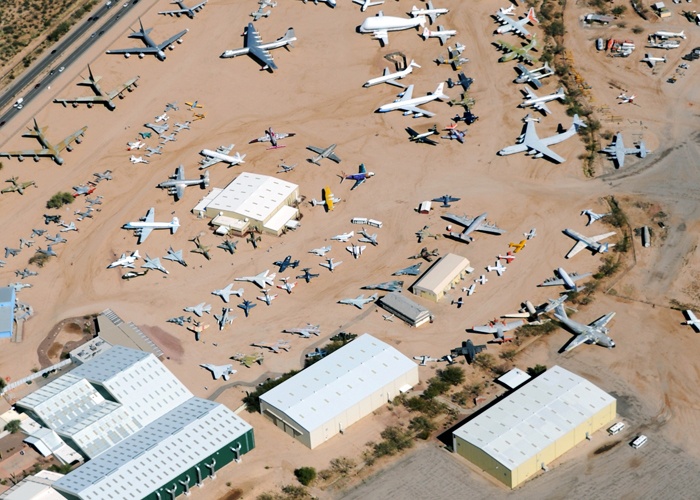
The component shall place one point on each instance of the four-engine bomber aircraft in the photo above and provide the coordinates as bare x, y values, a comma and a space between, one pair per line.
509, 24
409, 104
184, 9
177, 183
147, 224
531, 143
157, 49
594, 333
220, 155
101, 97
47, 150
617, 150
260, 51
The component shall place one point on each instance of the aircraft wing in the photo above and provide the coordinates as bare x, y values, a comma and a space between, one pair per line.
170, 40
604, 320
537, 145
143, 233
620, 157
179, 191
411, 132
429, 141
580, 245
315, 149
602, 236
70, 139
462, 221
208, 162
357, 183
541, 106
83, 100
407, 94
174, 12
553, 282
485, 329
505, 46
485, 227
575, 277
119, 90
27, 152
252, 41
150, 215
382, 36
417, 111
581, 338
519, 29
333, 157
135, 50
691, 316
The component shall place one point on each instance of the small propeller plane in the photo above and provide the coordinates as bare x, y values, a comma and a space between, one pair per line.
517, 246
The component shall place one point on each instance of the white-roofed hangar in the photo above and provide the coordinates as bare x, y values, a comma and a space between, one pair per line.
337, 391
533, 426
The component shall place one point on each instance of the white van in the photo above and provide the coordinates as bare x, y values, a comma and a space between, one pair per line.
639, 441
374, 223
616, 428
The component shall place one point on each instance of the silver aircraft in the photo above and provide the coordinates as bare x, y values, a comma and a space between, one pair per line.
530, 143
593, 333
156, 49
260, 51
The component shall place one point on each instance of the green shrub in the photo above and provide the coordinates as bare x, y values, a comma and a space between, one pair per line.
305, 475
59, 199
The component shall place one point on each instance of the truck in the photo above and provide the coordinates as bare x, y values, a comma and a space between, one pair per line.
18, 104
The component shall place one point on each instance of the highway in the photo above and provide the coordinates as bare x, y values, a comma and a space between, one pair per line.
13, 92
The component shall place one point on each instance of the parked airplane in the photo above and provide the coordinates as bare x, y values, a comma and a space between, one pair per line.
530, 234
154, 151
193, 105
100, 97
531, 143
593, 333
441, 33
266, 297
508, 257
225, 293
317, 353
426, 254
361, 176
182, 126
368, 238
409, 104
533, 76
424, 359
146, 224
307, 276
522, 53
273, 137
286, 285
592, 243
154, 264
356, 250
380, 25
468, 350
25, 243
84, 190
592, 216
201, 248
25, 273
517, 246
285, 168
224, 318
617, 150
48, 251
470, 289
413, 270
539, 103
651, 60
137, 159
56, 239
199, 309
533, 314
391, 78
167, 138
175, 257
12, 251
565, 279
253, 239
219, 371
246, 305
366, 3
626, 99
692, 320
16, 186
470, 225
125, 260
158, 129
253, 47
261, 280
666, 44
48, 219
104, 176
68, 227
330, 3
97, 200
423, 137
184, 9
454, 134
220, 155
260, 13
425, 233
670, 34
162, 118
274, 346
331, 264
454, 58
509, 24
285, 263
322, 153
179, 320
171, 105
157, 49
429, 11
248, 360
359, 301
498, 328
462, 80
47, 149
344, 237
481, 280
228, 246
329, 200
177, 183
389, 286
446, 199
321, 251
499, 268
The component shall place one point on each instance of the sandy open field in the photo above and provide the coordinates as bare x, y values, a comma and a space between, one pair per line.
317, 94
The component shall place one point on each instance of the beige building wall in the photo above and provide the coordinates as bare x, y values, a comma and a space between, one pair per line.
447, 272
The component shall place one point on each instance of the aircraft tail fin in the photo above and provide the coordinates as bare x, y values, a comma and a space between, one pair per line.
439, 91
136, 254
426, 33
560, 312
531, 16
174, 225
642, 149
577, 123
413, 64
289, 37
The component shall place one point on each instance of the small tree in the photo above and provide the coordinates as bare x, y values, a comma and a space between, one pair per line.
618, 10
59, 199
533, 371
12, 426
305, 475
453, 375
422, 426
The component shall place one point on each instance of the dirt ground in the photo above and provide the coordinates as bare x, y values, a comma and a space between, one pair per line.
317, 93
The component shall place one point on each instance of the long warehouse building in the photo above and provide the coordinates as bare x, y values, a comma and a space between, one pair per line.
533, 426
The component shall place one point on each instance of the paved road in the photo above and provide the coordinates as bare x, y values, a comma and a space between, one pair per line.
14, 91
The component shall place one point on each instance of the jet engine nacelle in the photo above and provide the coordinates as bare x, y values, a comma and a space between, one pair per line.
20, 158
141, 55
127, 55
78, 140
69, 148
89, 105
75, 104
36, 158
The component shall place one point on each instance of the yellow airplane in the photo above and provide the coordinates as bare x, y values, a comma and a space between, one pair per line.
517, 246
198, 116
193, 105
328, 197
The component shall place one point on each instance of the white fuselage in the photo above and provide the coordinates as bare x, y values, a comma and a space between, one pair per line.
544, 98
233, 160
669, 34
390, 23
416, 101
263, 46
173, 225
567, 279
391, 76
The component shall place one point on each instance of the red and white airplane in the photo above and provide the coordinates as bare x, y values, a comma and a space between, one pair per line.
272, 137
626, 99
508, 257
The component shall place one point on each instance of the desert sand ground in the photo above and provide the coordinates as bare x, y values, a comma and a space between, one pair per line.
317, 93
